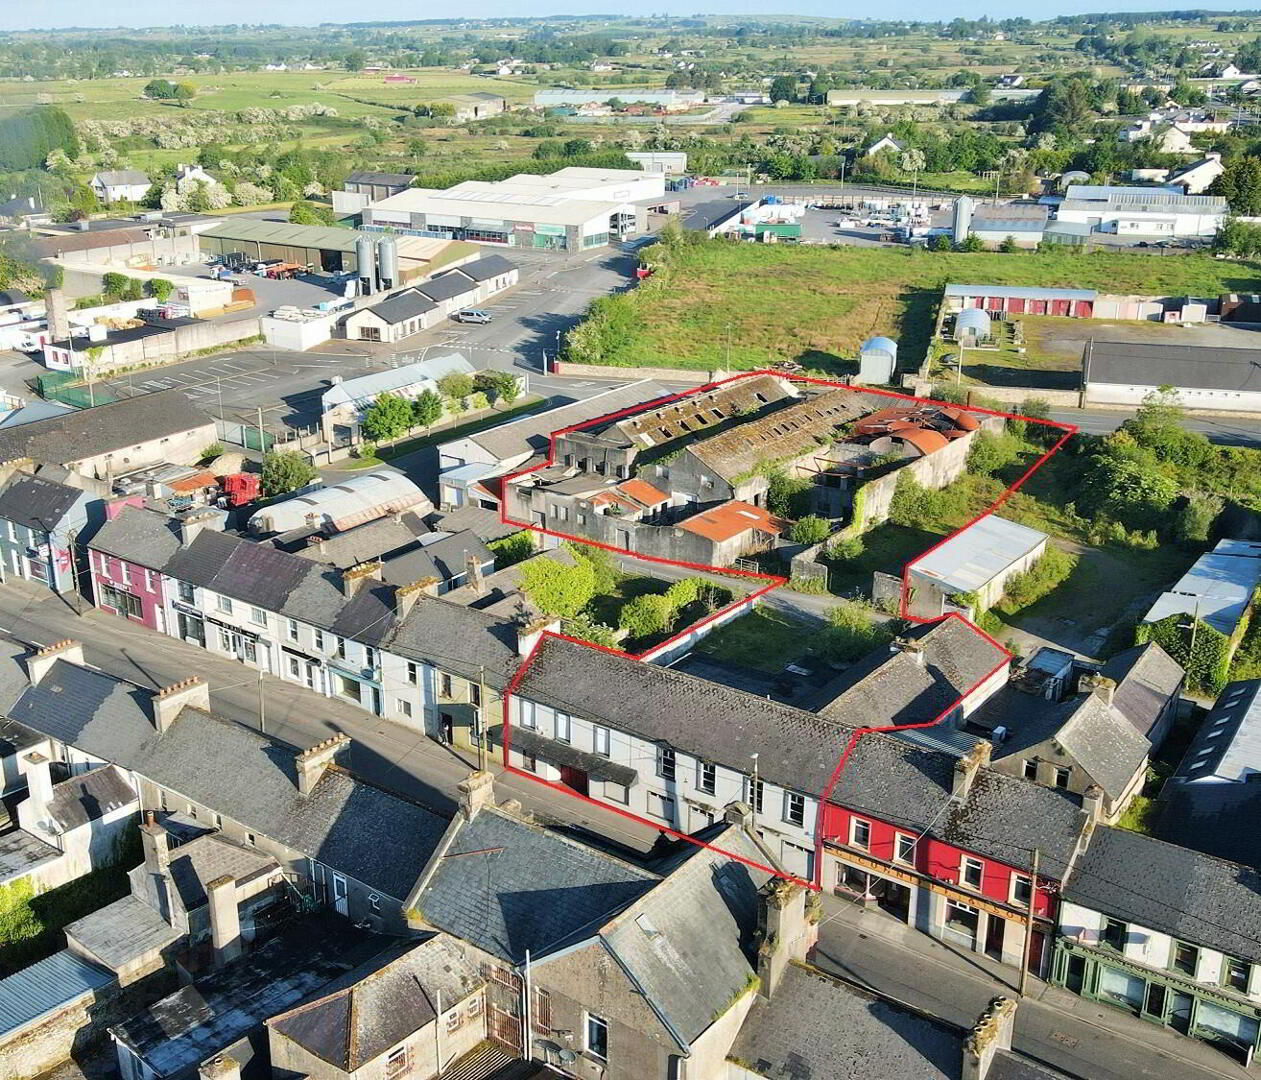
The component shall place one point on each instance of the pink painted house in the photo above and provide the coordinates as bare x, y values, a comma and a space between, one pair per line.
132, 587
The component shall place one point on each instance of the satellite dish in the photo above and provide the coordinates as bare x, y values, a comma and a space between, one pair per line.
567, 1057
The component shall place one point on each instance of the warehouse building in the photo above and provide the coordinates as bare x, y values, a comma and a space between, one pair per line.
669, 100
569, 210
1142, 213
328, 248
1012, 300
1125, 372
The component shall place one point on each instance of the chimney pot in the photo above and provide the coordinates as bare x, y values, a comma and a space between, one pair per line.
991, 1033
405, 597
38, 663
220, 1067
359, 576
312, 762
170, 701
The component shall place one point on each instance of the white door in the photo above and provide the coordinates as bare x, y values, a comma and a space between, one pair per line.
340, 903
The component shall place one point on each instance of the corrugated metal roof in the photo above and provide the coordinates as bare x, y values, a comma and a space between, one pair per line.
359, 498
976, 555
1011, 292
326, 237
367, 387
46, 986
1218, 587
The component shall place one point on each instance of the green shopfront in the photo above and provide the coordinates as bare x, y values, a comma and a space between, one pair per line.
1229, 1022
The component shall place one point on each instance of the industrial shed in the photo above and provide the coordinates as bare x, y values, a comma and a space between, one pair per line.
977, 561
342, 506
1012, 300
1125, 372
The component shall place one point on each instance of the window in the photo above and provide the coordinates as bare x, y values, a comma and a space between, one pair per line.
794, 808
397, 1064
859, 833
600, 741
1021, 890
1235, 974
1113, 934
454, 1020
369, 656
661, 806
349, 688
413, 673
1186, 958
319, 640
564, 727
475, 693
341, 648
1062, 776
258, 616
295, 667
756, 797
148, 579
618, 793
224, 605
291, 628
529, 763
706, 777
971, 872
597, 1037
665, 763
404, 708
525, 714
444, 686
126, 569
904, 849
1031, 770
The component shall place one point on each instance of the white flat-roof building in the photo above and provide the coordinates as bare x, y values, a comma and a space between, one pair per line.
1142, 212
571, 209
670, 100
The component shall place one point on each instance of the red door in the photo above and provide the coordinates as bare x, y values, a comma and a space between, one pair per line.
1016, 305
1059, 307
1084, 309
1037, 307
574, 778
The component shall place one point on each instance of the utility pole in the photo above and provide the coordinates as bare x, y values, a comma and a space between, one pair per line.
262, 705
1027, 954
481, 710
262, 438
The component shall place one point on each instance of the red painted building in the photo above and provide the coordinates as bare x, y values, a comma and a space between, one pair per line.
1000, 300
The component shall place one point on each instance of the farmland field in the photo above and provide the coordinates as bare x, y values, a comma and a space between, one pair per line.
726, 305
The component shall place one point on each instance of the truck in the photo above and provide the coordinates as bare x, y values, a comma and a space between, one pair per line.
239, 489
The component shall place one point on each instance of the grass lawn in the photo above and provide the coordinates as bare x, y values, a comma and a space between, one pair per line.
765, 639
722, 304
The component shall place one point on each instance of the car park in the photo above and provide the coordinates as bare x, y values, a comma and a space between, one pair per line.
473, 315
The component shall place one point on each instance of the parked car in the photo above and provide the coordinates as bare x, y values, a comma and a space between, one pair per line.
473, 315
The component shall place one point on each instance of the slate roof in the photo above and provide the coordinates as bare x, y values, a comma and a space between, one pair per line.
361, 176
487, 267
506, 886
1217, 819
1145, 677
35, 502
88, 797
196, 1022
816, 1026
445, 287
361, 831
444, 558
1005, 818
372, 540
690, 943
785, 432
115, 427
122, 931
200, 861
408, 304
1199, 367
713, 722
370, 1010
1186, 894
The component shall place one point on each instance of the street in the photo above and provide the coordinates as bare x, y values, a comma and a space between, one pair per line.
394, 757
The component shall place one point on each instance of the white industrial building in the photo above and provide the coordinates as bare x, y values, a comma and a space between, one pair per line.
977, 561
667, 162
670, 100
352, 502
571, 209
1143, 212
1125, 372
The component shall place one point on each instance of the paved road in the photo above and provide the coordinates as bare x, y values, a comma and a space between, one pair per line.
387, 754
1238, 431
1080, 1037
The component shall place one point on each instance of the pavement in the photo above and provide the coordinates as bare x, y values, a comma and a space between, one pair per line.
873, 950
390, 755
1230, 430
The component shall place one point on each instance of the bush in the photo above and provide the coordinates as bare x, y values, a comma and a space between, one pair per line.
1050, 571
810, 530
991, 452
847, 547
113, 284
646, 616
787, 496
285, 471
852, 634
584, 627
1206, 668
160, 289
509, 550
365, 450
1195, 518
607, 575
685, 592
557, 589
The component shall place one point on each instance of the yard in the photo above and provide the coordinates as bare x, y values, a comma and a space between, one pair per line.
720, 304
765, 639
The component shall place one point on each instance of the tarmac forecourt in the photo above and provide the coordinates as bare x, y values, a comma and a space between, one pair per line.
770, 582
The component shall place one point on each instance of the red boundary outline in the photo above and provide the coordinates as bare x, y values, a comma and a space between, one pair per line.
773, 581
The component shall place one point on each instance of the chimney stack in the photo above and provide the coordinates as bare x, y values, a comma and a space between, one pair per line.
157, 863
192, 525
911, 647
477, 791
362, 575
473, 573
58, 315
219, 1067
991, 1033
739, 814
1092, 803
171, 700
528, 635
314, 760
38, 663
967, 767
39, 793
405, 597
1100, 685
225, 920
782, 923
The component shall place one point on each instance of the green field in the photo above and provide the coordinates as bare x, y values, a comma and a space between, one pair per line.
719, 304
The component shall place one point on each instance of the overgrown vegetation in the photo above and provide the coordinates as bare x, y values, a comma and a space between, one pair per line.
510, 550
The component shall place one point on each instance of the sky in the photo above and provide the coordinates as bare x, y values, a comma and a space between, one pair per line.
140, 13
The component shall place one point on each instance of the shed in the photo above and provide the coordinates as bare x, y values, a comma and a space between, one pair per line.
877, 361
978, 560
344, 505
973, 325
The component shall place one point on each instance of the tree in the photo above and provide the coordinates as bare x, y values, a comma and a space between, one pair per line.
184, 91
784, 88
456, 386
556, 589
113, 283
387, 417
304, 212
426, 409
1240, 185
498, 386
646, 615
787, 496
285, 471
980, 94
1008, 245
355, 60
810, 530
160, 289
159, 89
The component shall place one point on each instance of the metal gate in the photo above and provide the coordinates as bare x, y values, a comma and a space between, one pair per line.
504, 1017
